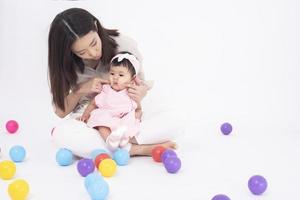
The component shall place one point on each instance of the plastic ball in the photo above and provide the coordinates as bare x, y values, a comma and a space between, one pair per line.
98, 190
226, 128
85, 167
97, 152
91, 178
220, 197
100, 157
257, 184
121, 156
7, 169
172, 164
167, 154
156, 153
12, 126
108, 167
64, 157
17, 153
18, 189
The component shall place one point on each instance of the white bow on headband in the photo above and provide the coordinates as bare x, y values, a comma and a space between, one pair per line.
131, 58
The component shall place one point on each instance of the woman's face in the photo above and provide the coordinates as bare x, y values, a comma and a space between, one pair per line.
88, 47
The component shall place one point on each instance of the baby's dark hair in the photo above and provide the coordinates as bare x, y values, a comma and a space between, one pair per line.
125, 62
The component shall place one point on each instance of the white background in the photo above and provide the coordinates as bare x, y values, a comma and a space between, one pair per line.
232, 60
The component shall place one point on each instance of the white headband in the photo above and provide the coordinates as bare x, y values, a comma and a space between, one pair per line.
131, 58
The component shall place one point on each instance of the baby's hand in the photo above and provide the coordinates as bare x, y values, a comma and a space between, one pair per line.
84, 117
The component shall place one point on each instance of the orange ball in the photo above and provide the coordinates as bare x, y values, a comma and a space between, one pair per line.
100, 157
156, 153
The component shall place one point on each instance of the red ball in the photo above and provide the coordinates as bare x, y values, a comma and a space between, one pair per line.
99, 158
12, 126
156, 153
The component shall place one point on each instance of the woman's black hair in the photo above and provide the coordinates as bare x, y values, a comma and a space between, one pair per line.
125, 62
63, 64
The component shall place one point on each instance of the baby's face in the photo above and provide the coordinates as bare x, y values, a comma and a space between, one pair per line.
119, 77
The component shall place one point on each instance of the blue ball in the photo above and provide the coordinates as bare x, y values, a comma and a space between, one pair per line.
220, 197
64, 157
98, 190
17, 153
121, 156
91, 178
97, 152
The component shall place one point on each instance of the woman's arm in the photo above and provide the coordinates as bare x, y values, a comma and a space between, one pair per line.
138, 112
83, 89
70, 103
138, 90
86, 114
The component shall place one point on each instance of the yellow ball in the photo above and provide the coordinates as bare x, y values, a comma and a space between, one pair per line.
18, 190
107, 167
7, 169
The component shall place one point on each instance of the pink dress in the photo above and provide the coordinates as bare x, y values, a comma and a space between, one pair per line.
115, 109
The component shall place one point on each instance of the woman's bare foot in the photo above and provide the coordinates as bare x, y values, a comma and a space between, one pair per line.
146, 149
133, 140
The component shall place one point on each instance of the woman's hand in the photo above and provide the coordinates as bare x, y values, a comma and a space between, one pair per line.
137, 91
138, 114
94, 85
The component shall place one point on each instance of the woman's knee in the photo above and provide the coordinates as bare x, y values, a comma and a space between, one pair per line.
77, 137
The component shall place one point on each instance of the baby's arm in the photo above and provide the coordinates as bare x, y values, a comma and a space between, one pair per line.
86, 114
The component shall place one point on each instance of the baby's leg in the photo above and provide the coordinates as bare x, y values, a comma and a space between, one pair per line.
112, 138
104, 132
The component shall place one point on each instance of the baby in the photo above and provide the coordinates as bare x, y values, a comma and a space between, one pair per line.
112, 112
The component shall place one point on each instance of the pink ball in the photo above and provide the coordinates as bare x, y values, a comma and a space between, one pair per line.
12, 126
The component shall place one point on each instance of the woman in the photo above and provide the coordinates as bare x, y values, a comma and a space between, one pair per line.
80, 50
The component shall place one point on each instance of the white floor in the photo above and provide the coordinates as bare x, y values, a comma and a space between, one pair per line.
211, 164
235, 61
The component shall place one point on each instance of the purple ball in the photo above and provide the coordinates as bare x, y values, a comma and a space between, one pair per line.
257, 184
167, 154
226, 128
172, 164
220, 197
85, 167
